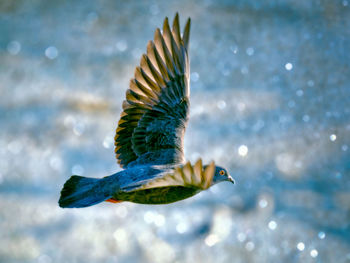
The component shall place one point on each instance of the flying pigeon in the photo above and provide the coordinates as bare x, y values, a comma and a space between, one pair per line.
150, 134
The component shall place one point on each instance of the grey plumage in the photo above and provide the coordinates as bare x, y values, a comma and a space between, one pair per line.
150, 135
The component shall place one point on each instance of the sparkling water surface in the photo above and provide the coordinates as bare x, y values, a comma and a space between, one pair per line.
270, 101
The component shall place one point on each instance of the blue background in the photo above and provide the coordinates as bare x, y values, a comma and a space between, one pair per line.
270, 101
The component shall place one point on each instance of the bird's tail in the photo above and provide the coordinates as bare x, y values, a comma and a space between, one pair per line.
81, 191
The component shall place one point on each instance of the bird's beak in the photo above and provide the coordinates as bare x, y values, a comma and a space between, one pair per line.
230, 179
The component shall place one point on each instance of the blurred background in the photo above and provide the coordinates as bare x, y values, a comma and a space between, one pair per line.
270, 100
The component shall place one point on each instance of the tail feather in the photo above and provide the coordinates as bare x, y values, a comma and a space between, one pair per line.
81, 191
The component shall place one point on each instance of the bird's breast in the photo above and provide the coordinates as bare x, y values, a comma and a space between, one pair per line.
161, 195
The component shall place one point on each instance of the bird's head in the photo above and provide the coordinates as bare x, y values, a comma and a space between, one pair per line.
222, 175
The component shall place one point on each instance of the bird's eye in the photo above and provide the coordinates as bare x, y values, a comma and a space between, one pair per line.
222, 172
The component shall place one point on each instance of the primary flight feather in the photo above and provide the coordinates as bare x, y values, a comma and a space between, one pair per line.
150, 134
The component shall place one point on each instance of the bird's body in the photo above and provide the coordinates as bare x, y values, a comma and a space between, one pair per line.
150, 134
121, 187
153, 195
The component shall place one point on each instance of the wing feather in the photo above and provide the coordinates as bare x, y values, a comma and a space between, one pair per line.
155, 112
176, 30
188, 175
186, 35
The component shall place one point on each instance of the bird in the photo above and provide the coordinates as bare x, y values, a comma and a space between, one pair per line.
149, 140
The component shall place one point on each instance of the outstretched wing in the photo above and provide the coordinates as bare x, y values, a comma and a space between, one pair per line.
188, 175
152, 125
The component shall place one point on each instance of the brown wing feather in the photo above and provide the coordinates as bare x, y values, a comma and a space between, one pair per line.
188, 175
155, 112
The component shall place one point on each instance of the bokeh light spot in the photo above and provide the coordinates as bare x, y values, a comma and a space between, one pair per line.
300, 246
243, 150
289, 66
51, 52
